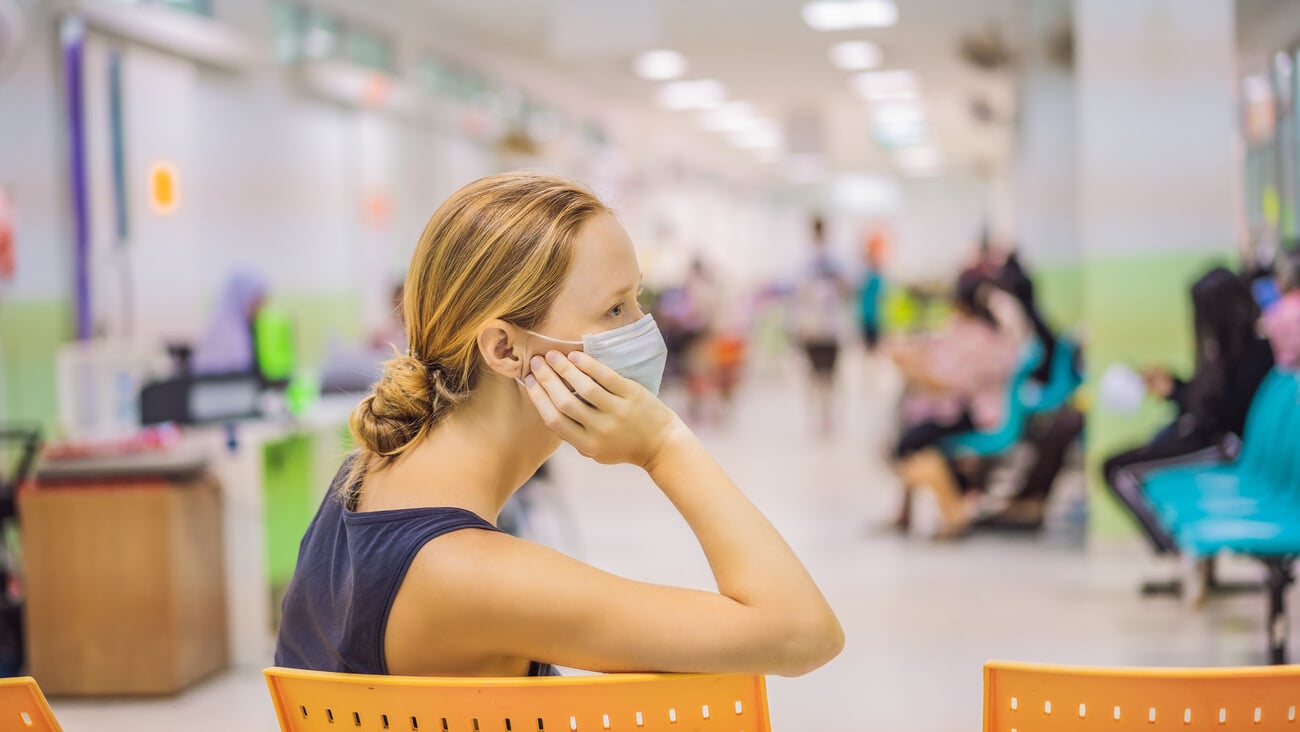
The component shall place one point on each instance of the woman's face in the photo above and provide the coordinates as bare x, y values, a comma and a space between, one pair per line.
600, 292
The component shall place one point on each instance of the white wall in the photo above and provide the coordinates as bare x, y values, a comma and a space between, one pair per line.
275, 178
33, 166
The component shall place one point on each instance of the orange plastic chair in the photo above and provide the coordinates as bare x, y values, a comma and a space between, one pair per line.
307, 701
23, 707
1030, 698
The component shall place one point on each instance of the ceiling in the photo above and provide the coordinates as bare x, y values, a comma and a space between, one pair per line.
764, 54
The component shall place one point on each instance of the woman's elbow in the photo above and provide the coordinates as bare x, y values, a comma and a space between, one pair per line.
811, 644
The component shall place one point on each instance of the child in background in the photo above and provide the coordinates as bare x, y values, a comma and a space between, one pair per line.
1282, 320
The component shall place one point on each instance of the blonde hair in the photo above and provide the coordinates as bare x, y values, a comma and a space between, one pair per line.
498, 248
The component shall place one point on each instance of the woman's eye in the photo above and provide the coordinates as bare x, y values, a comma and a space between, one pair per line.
616, 311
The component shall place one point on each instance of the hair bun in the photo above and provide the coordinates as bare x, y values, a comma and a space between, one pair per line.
399, 409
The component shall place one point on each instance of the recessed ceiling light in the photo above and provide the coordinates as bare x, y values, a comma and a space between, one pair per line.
880, 86
855, 55
660, 65
693, 94
834, 15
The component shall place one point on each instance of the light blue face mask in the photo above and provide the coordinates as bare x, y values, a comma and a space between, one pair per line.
636, 351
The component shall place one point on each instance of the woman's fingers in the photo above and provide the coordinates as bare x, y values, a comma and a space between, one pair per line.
563, 399
566, 428
593, 393
605, 377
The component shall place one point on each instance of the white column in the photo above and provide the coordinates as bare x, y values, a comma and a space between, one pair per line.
1155, 119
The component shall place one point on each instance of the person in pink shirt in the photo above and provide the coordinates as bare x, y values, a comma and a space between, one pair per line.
1281, 322
959, 379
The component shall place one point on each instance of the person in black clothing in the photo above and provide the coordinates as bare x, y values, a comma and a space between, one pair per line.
1231, 361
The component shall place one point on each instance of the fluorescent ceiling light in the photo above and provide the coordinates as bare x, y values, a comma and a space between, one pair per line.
898, 115
914, 159
855, 55
768, 137
834, 15
730, 117
659, 65
1256, 89
881, 86
694, 94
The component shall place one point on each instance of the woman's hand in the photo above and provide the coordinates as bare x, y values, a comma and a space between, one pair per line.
1158, 381
608, 418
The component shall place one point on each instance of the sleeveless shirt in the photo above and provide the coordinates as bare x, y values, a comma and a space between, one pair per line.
350, 566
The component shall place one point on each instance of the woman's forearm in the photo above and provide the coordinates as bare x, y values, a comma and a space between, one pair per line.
751, 562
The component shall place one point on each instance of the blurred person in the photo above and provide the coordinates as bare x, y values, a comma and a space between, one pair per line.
959, 375
525, 332
871, 292
684, 313
959, 378
1281, 322
698, 356
391, 334
228, 345
819, 321
1231, 361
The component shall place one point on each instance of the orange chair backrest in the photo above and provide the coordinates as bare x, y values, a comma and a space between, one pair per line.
1032, 698
307, 701
23, 707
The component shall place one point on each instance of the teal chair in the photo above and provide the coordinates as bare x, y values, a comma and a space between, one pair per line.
1256, 482
1061, 384
1250, 506
990, 443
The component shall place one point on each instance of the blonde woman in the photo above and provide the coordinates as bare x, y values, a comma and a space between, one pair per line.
524, 331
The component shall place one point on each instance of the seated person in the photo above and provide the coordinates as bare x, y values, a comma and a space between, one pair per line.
960, 378
1281, 322
228, 346
524, 332
1231, 361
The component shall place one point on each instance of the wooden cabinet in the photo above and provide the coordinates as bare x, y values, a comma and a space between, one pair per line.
125, 584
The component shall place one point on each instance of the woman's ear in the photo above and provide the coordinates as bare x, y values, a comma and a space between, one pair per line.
500, 344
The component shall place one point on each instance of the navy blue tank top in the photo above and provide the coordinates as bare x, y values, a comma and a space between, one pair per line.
350, 566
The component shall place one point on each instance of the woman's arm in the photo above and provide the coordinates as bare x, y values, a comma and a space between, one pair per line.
500, 596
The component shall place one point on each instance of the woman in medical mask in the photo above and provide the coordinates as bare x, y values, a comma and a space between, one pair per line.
524, 331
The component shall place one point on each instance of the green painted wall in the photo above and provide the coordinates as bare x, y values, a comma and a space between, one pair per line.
1058, 291
1137, 311
319, 318
31, 332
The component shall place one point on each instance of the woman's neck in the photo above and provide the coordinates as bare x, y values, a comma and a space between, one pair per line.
476, 459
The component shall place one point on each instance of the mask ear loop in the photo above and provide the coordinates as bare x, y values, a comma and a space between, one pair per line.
520, 380
554, 340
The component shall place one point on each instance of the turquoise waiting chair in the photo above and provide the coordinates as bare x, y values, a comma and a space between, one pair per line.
1250, 506
990, 443
1061, 384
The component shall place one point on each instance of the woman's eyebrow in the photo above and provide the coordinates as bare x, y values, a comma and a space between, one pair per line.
624, 290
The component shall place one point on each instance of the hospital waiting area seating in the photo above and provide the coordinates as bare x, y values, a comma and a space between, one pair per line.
1043, 698
1250, 506
310, 701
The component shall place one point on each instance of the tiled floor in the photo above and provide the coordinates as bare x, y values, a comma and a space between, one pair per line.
920, 618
